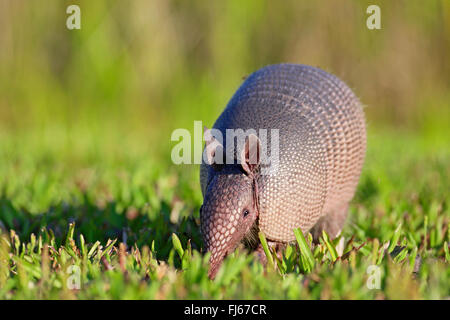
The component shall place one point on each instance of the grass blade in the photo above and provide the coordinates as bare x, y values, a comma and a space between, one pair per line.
330, 246
394, 239
447, 253
177, 245
265, 246
305, 250
70, 233
94, 247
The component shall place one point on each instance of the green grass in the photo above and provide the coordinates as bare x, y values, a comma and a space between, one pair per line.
129, 220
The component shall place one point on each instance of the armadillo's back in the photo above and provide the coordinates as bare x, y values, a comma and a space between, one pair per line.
322, 141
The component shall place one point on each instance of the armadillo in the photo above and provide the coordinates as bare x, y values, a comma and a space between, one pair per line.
321, 150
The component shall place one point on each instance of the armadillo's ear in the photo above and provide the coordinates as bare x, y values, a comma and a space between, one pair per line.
213, 150
251, 154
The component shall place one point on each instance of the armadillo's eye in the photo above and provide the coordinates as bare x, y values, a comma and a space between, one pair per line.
246, 212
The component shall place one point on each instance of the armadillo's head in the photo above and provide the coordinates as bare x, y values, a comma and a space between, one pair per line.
230, 208
227, 215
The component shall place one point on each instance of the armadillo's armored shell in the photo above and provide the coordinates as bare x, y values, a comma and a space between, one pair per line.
322, 141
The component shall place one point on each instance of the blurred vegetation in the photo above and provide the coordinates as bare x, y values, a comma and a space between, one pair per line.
85, 123
158, 64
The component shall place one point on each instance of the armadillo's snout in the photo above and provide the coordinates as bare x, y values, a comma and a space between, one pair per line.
219, 251
220, 234
214, 266
222, 215
220, 239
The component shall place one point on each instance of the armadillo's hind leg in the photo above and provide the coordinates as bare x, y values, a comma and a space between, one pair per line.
332, 223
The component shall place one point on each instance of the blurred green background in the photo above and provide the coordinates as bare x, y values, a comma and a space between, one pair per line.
156, 65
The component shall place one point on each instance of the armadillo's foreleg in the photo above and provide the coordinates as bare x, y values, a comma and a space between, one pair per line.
332, 223
277, 246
